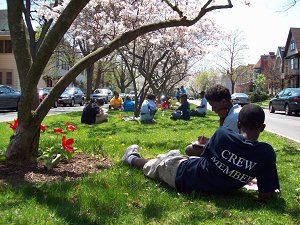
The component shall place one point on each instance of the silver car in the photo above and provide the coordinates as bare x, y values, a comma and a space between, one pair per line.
9, 98
104, 93
240, 98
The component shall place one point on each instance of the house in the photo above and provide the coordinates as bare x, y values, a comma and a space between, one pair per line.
56, 68
245, 77
279, 66
8, 68
265, 66
291, 57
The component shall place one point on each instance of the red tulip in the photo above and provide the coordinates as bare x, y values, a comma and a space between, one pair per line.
57, 130
70, 127
43, 127
66, 144
14, 125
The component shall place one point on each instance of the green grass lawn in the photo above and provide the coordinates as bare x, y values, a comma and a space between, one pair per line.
122, 195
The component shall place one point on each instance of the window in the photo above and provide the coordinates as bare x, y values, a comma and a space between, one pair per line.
5, 46
8, 47
9, 78
294, 63
1, 78
1, 46
292, 45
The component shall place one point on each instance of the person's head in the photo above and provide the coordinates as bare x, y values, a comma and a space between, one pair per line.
202, 94
128, 98
151, 96
100, 102
182, 87
251, 118
116, 94
219, 98
183, 98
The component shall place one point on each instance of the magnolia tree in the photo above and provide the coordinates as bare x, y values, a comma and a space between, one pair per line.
162, 57
31, 58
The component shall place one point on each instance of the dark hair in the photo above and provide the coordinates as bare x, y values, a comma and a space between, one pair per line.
184, 96
151, 96
218, 93
202, 92
100, 101
252, 116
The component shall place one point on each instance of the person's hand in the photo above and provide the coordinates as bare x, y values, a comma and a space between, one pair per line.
202, 140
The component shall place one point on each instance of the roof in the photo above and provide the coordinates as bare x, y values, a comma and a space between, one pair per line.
257, 65
295, 33
4, 29
280, 51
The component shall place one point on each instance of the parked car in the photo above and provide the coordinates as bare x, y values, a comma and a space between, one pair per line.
132, 95
104, 93
287, 100
123, 96
43, 92
9, 97
71, 96
240, 98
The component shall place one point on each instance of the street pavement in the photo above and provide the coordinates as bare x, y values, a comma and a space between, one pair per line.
6, 115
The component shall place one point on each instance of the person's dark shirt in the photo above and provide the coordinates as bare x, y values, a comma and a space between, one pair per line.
185, 110
228, 163
89, 112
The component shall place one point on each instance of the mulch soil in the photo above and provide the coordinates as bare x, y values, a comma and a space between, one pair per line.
80, 165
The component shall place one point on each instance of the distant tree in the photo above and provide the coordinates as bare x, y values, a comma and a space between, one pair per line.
290, 4
245, 77
260, 83
232, 56
201, 81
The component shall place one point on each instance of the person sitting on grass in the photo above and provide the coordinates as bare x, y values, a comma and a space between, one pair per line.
200, 109
148, 109
102, 115
92, 112
128, 105
183, 111
219, 98
230, 160
116, 103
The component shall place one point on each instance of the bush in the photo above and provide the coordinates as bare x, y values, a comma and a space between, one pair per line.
258, 96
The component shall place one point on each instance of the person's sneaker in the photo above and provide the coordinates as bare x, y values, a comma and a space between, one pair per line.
131, 150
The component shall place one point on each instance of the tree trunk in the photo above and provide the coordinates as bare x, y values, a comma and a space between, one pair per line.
23, 145
89, 81
98, 78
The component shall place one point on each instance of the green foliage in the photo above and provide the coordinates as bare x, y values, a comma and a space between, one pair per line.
122, 195
260, 83
257, 96
203, 80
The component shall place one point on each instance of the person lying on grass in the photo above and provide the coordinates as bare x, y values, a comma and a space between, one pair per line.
230, 160
219, 98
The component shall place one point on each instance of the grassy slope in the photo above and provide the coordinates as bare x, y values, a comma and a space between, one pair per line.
122, 195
